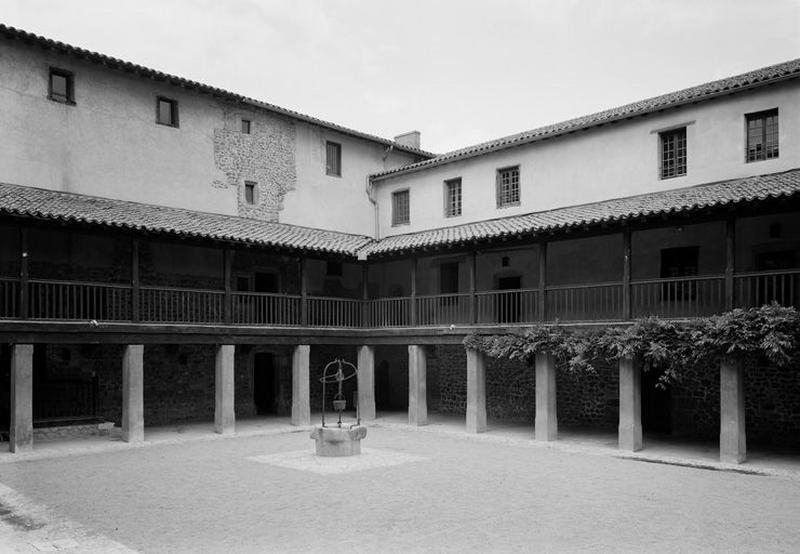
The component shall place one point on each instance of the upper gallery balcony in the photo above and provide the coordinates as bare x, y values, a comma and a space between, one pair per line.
698, 252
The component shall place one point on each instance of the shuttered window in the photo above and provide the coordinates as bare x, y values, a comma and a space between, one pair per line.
333, 157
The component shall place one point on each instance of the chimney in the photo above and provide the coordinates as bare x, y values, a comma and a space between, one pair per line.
410, 138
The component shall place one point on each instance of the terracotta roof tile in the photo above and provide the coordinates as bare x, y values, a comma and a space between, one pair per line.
751, 79
646, 205
56, 205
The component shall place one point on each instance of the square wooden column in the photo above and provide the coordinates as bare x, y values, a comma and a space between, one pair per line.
417, 385
366, 383
301, 391
732, 438
21, 428
476, 391
133, 393
546, 423
630, 406
224, 413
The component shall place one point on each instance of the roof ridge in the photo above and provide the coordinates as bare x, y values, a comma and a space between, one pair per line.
750, 79
43, 41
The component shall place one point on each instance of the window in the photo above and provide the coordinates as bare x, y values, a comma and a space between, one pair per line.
400, 208
249, 192
333, 159
508, 187
673, 153
452, 197
333, 269
61, 87
167, 112
762, 136
246, 126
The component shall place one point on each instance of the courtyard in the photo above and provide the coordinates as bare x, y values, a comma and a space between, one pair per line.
431, 489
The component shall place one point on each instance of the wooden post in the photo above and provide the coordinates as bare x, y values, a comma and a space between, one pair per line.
365, 295
227, 261
366, 382
413, 291
732, 438
24, 269
417, 385
473, 308
476, 391
224, 413
542, 281
546, 421
301, 391
629, 432
135, 313
730, 261
133, 393
303, 293
20, 432
626, 274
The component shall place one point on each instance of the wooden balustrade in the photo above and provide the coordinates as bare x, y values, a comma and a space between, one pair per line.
443, 309
595, 302
78, 301
757, 289
507, 306
9, 298
675, 298
678, 297
254, 308
389, 312
333, 312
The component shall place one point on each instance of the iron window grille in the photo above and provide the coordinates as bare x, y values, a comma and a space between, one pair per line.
400, 208
452, 201
333, 159
762, 136
166, 111
508, 187
61, 87
673, 153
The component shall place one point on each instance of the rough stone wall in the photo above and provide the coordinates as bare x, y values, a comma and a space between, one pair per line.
266, 157
585, 400
772, 403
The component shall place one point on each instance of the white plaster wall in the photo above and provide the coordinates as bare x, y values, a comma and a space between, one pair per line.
330, 202
612, 161
108, 144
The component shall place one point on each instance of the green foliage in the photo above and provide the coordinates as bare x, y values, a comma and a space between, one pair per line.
660, 345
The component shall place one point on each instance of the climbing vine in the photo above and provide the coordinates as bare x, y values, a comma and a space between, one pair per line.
667, 347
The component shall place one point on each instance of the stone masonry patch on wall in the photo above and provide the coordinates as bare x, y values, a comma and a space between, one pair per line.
265, 157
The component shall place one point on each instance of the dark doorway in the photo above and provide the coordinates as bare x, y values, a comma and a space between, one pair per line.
679, 262
656, 405
265, 383
508, 304
391, 388
265, 282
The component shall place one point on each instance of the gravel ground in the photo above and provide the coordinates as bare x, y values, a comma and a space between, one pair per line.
444, 494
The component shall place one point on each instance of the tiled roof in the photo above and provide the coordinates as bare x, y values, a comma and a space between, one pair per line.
77, 208
751, 79
687, 199
128, 67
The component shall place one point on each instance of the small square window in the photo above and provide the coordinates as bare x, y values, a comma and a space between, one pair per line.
246, 126
762, 136
333, 159
61, 87
673, 153
167, 112
508, 187
452, 198
400, 208
249, 192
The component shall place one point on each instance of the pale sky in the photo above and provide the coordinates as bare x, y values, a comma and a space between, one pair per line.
460, 72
